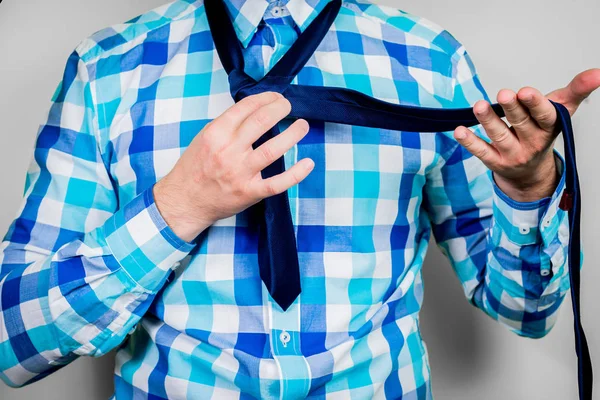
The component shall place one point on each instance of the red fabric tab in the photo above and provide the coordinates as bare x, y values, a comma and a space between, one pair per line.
566, 201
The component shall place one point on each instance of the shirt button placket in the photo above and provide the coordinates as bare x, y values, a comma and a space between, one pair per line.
285, 342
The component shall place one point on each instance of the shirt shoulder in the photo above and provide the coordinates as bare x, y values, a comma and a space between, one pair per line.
413, 29
118, 38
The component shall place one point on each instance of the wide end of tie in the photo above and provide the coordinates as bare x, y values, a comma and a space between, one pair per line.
285, 298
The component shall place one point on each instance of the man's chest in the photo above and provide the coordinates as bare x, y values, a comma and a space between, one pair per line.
354, 165
149, 115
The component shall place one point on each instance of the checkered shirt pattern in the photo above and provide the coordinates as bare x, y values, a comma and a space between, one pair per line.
89, 264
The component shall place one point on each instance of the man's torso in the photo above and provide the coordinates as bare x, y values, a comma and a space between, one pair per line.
361, 230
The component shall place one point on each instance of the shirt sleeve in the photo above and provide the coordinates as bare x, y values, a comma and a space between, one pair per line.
510, 256
77, 269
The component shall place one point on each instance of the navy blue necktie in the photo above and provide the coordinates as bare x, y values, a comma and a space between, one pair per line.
277, 252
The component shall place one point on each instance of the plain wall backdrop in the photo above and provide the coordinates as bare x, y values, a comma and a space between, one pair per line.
513, 42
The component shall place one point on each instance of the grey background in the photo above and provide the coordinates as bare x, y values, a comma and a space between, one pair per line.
513, 44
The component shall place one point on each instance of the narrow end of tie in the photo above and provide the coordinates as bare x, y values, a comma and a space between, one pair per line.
566, 201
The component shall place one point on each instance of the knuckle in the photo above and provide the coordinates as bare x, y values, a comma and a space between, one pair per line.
522, 121
296, 178
218, 159
267, 153
537, 148
235, 113
510, 105
239, 188
269, 96
545, 116
260, 119
250, 101
201, 143
257, 100
270, 188
198, 156
537, 101
521, 160
502, 136
207, 134
481, 153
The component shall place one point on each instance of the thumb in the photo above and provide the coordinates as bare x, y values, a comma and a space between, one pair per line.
577, 90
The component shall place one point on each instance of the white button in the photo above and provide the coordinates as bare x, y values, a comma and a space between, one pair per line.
545, 272
276, 11
524, 229
285, 338
547, 222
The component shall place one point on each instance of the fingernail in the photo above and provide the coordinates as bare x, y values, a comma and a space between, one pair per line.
460, 134
481, 109
305, 125
527, 98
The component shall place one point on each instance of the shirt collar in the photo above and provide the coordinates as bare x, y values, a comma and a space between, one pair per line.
247, 14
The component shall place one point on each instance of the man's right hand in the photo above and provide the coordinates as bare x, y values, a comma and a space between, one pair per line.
219, 175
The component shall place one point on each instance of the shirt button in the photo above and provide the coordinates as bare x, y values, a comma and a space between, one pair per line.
524, 229
545, 272
284, 337
547, 223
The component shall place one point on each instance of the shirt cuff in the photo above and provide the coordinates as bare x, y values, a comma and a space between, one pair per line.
524, 222
142, 242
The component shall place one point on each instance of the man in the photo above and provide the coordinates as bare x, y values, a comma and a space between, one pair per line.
134, 231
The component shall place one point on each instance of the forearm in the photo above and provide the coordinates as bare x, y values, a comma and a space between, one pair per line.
510, 256
522, 287
526, 275
49, 329
83, 299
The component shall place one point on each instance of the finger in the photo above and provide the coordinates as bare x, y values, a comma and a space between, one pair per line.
497, 130
261, 120
282, 182
276, 147
235, 115
577, 90
517, 115
584, 84
540, 108
478, 147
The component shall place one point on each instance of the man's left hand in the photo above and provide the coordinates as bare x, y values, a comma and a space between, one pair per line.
520, 154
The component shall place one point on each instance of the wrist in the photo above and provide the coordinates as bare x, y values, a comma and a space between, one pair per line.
176, 211
538, 185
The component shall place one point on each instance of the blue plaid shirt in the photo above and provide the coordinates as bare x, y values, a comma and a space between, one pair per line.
90, 265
